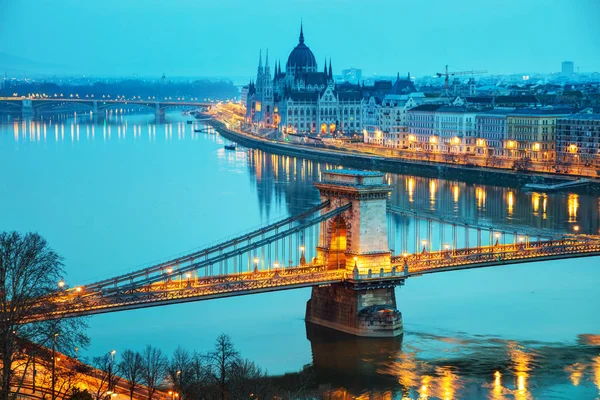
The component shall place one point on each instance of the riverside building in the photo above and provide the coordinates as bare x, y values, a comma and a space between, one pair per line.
578, 139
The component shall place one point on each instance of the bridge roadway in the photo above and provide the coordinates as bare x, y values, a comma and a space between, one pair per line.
81, 302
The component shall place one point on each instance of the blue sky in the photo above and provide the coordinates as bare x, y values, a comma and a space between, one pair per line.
222, 38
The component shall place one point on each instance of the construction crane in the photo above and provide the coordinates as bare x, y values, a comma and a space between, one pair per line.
448, 74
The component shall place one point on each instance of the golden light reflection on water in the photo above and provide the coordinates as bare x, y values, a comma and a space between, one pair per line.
425, 387
410, 187
480, 196
575, 372
455, 193
448, 383
510, 201
535, 203
596, 367
497, 390
432, 193
573, 206
521, 361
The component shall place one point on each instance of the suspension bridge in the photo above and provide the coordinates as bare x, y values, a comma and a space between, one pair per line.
352, 248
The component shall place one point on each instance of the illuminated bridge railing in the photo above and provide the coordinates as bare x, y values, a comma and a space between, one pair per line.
74, 304
496, 255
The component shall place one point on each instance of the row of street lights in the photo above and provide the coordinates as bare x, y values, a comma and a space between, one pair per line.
276, 264
497, 235
118, 97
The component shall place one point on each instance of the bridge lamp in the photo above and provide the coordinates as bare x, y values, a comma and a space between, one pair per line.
78, 289
61, 284
447, 247
169, 270
497, 235
276, 264
188, 275
355, 262
576, 228
256, 260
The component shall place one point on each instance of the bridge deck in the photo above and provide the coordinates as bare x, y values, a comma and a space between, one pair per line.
73, 303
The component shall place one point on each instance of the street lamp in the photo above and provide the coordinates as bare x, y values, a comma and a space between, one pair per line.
61, 284
110, 366
497, 234
424, 243
302, 257
256, 260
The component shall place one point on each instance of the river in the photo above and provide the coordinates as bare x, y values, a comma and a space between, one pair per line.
116, 194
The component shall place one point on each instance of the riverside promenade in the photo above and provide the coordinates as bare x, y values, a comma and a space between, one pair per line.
357, 159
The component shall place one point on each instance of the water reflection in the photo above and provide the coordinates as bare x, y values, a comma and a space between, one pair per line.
289, 179
284, 178
347, 367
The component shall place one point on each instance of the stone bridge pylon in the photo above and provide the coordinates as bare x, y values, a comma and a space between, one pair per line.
357, 242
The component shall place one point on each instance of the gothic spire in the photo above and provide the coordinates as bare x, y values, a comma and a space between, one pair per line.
260, 58
330, 71
398, 77
301, 33
408, 77
325, 67
267, 59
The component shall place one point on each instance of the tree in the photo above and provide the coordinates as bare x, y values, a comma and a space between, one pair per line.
78, 394
154, 369
180, 371
247, 380
222, 360
522, 164
492, 161
29, 270
130, 368
105, 378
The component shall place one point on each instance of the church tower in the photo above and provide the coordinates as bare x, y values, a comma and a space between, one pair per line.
267, 100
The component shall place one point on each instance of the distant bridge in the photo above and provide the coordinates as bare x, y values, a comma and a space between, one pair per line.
354, 268
32, 106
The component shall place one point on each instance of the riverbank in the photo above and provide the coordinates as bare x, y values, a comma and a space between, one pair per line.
401, 166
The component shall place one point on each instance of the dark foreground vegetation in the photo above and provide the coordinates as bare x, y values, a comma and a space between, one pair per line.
48, 350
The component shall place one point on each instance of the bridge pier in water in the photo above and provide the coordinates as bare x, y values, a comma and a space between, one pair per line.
356, 241
27, 109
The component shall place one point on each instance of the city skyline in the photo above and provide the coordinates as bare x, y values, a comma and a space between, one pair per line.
381, 38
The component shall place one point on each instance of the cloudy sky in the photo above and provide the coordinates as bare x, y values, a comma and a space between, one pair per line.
223, 37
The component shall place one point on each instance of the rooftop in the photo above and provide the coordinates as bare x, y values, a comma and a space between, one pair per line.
584, 116
541, 112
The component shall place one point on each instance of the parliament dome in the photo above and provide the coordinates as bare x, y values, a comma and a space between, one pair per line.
301, 57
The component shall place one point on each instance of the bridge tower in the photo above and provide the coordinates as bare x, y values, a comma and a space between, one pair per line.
357, 242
